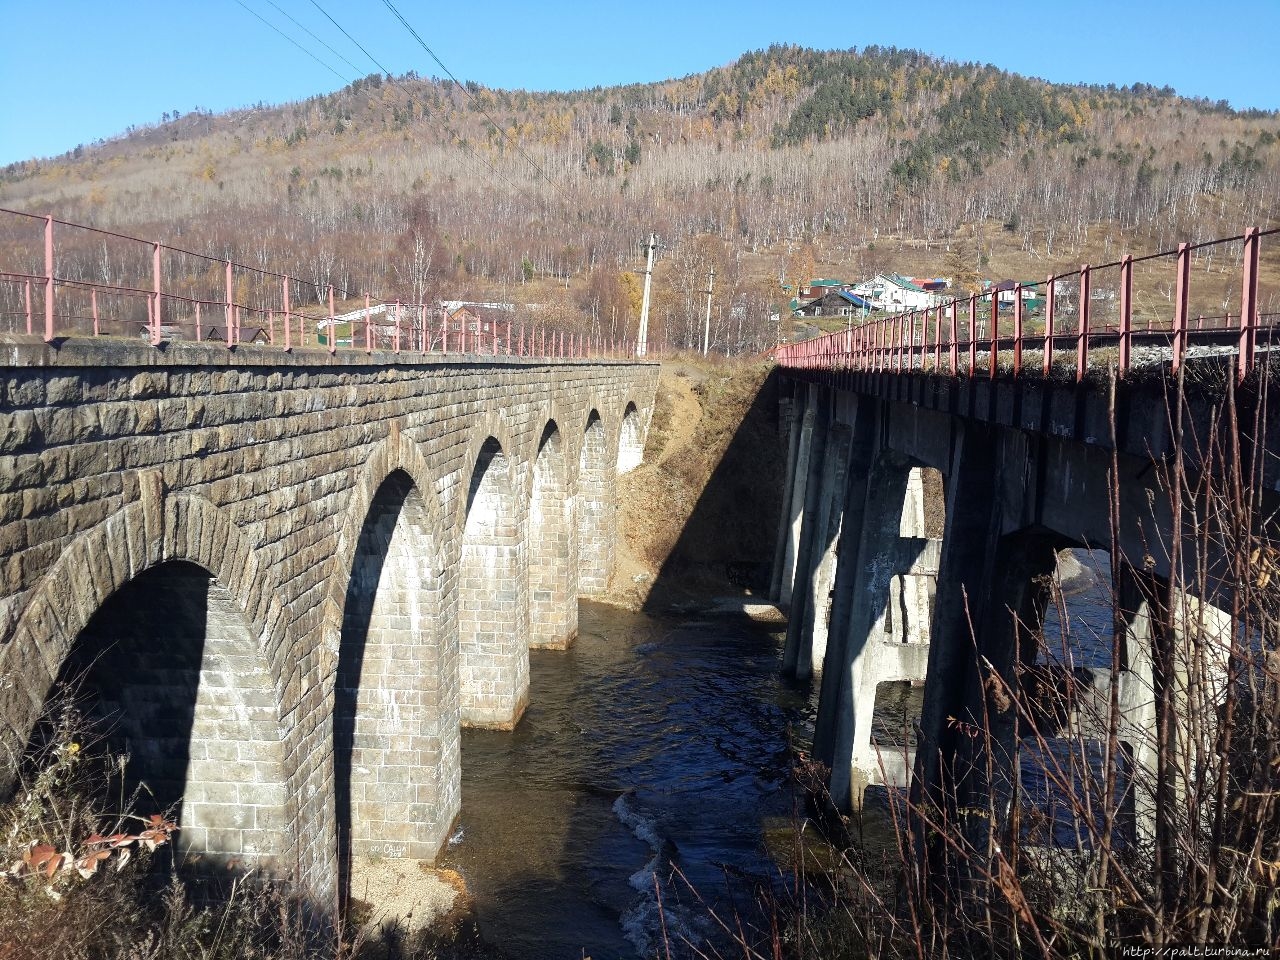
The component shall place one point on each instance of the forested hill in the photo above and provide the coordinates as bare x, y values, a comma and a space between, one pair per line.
780, 162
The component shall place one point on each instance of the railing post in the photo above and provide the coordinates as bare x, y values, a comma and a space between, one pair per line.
444, 332
1082, 336
993, 335
368, 327
424, 321
1126, 313
1017, 330
199, 329
937, 338
973, 334
48, 279
509, 350
1050, 287
953, 348
231, 316
288, 331
93, 300
396, 335
333, 324
1180, 297
1248, 303
26, 285
155, 314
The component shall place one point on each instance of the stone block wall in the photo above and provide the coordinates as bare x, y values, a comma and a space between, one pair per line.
264, 469
553, 548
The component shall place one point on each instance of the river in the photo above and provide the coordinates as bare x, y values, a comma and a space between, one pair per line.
653, 748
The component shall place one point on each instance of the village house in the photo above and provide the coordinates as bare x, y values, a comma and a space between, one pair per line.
835, 303
894, 293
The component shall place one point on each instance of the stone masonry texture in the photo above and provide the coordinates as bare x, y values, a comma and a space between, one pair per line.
357, 548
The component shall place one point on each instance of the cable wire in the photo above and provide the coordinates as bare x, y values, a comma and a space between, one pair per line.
351, 38
295, 42
319, 40
497, 126
396, 83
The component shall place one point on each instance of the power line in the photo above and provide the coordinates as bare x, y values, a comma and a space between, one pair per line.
497, 126
394, 82
351, 38
295, 42
319, 40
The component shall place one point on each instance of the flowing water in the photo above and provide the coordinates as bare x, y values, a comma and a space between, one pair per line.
651, 746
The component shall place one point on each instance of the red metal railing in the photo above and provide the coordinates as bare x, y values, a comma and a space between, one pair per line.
163, 292
1083, 313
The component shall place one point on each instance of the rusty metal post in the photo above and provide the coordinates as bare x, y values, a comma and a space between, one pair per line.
1082, 336
396, 336
288, 330
973, 334
27, 287
953, 348
333, 324
230, 317
1180, 297
97, 329
155, 314
1126, 314
993, 335
1017, 330
48, 279
368, 327
1248, 303
1049, 289
937, 338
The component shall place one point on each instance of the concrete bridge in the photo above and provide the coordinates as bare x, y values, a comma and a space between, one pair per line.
288, 578
934, 483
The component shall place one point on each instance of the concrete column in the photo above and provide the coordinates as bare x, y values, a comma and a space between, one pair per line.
965, 570
794, 506
866, 659
789, 415
985, 767
813, 518
1137, 697
813, 648
864, 442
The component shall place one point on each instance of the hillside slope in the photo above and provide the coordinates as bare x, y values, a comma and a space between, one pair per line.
785, 164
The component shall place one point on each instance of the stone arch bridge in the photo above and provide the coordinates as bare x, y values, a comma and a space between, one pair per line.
289, 578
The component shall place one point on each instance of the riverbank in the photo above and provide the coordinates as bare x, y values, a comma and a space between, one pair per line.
697, 517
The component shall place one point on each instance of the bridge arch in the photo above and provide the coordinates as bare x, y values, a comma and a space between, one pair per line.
193, 685
630, 439
553, 545
597, 473
493, 613
397, 773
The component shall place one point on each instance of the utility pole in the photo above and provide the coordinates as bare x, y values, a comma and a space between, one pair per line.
706, 324
642, 338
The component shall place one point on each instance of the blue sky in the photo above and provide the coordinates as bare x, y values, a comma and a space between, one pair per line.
72, 71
